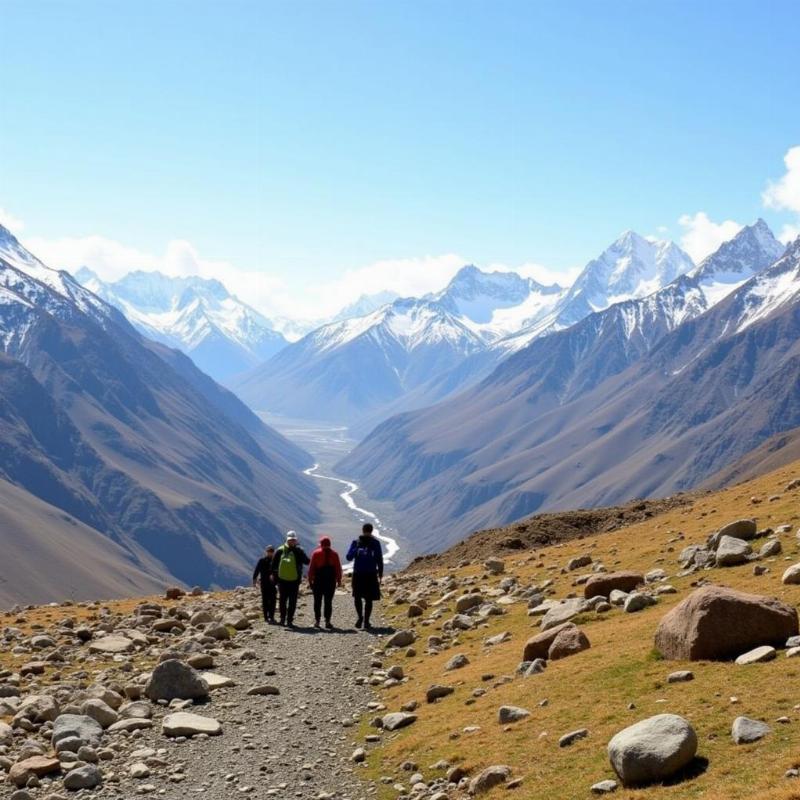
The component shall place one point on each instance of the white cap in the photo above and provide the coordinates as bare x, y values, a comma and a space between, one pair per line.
291, 536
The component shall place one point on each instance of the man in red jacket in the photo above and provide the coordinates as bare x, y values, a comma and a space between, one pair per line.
324, 575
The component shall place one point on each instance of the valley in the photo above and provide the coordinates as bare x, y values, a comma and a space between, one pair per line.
342, 514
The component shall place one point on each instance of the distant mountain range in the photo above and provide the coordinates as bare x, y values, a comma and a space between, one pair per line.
221, 334
643, 398
418, 351
140, 461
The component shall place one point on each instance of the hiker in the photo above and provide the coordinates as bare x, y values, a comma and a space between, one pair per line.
324, 575
287, 569
262, 575
367, 557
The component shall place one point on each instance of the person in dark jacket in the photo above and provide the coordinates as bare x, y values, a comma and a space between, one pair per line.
262, 576
287, 569
324, 575
367, 557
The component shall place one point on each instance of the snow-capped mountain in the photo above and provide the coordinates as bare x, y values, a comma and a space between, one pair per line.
754, 248
644, 398
366, 304
221, 334
153, 467
495, 304
348, 369
630, 268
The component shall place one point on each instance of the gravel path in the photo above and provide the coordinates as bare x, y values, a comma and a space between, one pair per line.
296, 744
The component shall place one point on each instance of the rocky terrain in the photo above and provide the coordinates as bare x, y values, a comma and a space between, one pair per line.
656, 657
191, 695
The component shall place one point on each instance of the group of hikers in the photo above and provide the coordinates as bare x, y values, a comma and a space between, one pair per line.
279, 573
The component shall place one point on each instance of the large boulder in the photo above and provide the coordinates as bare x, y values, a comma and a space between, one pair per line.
653, 749
569, 640
741, 529
716, 623
173, 679
731, 551
539, 646
601, 585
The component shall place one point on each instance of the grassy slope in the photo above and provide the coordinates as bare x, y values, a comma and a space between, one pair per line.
593, 689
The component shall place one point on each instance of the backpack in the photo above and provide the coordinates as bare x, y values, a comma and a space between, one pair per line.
364, 560
287, 566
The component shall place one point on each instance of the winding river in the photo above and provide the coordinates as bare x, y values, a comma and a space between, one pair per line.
342, 515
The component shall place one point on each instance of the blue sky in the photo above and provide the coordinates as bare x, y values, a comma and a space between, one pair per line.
342, 145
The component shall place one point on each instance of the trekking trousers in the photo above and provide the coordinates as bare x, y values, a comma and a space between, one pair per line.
323, 593
287, 594
269, 596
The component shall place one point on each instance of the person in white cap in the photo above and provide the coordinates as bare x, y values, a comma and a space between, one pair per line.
287, 567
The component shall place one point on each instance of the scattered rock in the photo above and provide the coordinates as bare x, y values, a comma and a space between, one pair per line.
757, 656
568, 641
489, 778
653, 749
506, 714
173, 679
717, 623
570, 738
397, 720
181, 723
745, 731
603, 584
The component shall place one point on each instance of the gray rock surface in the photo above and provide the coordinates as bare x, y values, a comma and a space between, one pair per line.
653, 749
745, 730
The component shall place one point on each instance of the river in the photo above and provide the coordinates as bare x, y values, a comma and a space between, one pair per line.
344, 506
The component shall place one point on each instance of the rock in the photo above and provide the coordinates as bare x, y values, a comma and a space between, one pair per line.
771, 548
792, 574
181, 723
717, 623
111, 645
745, 731
506, 714
86, 777
653, 749
236, 620
173, 679
569, 739
682, 676
174, 593
264, 690
539, 646
635, 602
100, 712
20, 773
437, 691
741, 529
401, 639
77, 729
216, 681
604, 787
130, 725
578, 562
139, 770
359, 755
495, 565
457, 662
415, 610
757, 656
6, 733
498, 638
568, 641
468, 601
395, 672
489, 778
218, 632
792, 485
603, 584
397, 720
563, 612
731, 552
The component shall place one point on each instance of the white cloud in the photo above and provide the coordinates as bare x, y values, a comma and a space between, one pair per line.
272, 295
789, 233
702, 236
8, 220
784, 194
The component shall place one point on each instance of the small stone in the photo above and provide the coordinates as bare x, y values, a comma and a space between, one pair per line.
757, 655
745, 731
573, 736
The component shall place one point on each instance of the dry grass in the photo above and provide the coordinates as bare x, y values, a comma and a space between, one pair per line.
593, 689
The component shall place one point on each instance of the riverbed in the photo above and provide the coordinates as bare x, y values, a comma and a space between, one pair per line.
344, 505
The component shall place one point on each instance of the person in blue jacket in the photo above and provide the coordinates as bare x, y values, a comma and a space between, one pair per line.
367, 557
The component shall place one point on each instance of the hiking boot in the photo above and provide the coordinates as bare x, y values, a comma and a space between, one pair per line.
328, 624
359, 622
316, 624
367, 626
283, 622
